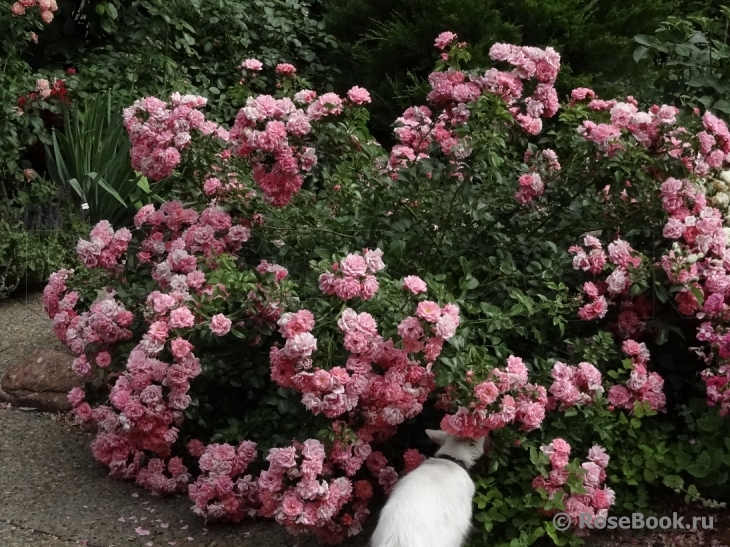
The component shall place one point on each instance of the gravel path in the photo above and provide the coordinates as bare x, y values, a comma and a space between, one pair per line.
24, 328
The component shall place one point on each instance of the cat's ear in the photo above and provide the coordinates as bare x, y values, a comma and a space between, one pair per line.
437, 436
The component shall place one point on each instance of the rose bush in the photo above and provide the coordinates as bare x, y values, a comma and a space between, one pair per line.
274, 337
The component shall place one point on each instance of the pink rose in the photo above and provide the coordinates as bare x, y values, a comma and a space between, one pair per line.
602, 498
356, 342
300, 345
103, 359
81, 366
252, 64
592, 476
83, 411
414, 284
358, 95
531, 415
619, 396
180, 348
181, 318
286, 69
429, 311
445, 327
486, 392
347, 288
369, 287
597, 454
412, 458
444, 40
76, 396
353, 265
220, 324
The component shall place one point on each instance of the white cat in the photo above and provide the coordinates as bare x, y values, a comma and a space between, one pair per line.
431, 505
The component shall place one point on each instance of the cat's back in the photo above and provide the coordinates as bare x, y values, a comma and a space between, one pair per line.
429, 507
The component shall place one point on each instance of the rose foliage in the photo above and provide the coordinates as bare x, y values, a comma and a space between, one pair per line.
273, 339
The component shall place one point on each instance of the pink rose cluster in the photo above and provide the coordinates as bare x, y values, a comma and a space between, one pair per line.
531, 186
453, 91
149, 395
222, 491
415, 131
597, 499
529, 63
279, 272
354, 276
43, 86
629, 322
272, 134
379, 386
105, 248
656, 129
227, 188
412, 459
164, 477
301, 491
623, 259
622, 256
716, 384
177, 236
714, 146
160, 131
102, 327
574, 385
349, 454
698, 264
592, 259
147, 401
53, 293
605, 135
505, 397
46, 7
396, 389
543, 164
296, 355
429, 328
642, 386
580, 94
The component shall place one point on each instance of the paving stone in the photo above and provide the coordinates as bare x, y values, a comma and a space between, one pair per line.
41, 380
14, 536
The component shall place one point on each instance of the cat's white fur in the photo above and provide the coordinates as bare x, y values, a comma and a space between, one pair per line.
431, 506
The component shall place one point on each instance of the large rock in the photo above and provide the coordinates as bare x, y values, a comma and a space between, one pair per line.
41, 381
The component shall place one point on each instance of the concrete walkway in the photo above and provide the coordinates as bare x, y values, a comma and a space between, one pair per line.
54, 494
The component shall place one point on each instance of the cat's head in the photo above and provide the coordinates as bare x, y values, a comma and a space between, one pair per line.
465, 450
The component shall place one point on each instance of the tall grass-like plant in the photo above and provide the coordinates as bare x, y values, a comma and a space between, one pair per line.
91, 156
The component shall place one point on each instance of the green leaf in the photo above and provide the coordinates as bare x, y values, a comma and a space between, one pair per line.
673, 481
698, 295
640, 53
101, 182
697, 470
